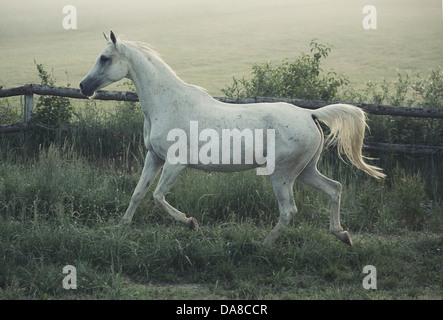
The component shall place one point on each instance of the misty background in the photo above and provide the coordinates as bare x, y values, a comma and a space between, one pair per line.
208, 41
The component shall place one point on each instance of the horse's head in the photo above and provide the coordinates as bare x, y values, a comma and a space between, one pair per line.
109, 68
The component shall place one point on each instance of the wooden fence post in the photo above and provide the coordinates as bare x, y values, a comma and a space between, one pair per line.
29, 106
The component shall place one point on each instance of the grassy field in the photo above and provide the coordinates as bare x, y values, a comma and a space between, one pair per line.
58, 209
207, 43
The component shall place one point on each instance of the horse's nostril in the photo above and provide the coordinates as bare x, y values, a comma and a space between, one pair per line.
81, 85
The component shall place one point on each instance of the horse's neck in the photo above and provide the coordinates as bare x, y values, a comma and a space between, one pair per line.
159, 88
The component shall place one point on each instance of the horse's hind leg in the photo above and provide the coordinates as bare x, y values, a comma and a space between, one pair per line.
286, 204
169, 175
152, 165
312, 177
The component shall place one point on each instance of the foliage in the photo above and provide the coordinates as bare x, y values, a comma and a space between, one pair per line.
51, 110
8, 114
57, 209
408, 90
409, 199
302, 78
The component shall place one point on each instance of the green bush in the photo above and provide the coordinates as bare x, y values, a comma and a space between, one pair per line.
408, 90
51, 110
8, 114
302, 78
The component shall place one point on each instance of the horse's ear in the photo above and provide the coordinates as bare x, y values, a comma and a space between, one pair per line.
113, 38
106, 37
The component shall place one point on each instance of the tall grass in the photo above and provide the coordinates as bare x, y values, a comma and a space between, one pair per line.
58, 209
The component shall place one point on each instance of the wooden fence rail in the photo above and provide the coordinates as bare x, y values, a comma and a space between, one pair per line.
29, 90
369, 108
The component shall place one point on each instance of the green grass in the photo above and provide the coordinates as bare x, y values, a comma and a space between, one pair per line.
58, 209
223, 261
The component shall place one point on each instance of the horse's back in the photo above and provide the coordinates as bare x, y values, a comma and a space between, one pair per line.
275, 115
296, 132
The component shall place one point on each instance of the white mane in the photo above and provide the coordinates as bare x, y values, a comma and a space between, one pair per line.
150, 53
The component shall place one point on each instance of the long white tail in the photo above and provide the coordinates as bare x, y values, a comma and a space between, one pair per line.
347, 124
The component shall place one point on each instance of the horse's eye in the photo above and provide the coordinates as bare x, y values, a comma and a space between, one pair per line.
104, 59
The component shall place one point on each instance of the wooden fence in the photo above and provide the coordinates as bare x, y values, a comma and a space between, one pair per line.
29, 90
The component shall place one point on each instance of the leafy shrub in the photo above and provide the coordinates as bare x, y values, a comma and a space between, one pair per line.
301, 78
408, 90
430, 89
51, 110
8, 114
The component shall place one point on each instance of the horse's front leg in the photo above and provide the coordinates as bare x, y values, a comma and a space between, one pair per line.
169, 175
152, 166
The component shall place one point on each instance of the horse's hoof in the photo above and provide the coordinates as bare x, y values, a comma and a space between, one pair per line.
343, 236
193, 224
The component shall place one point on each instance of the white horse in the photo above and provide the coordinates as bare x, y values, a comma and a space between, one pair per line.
170, 104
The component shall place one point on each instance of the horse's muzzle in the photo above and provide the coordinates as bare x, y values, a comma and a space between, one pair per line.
89, 86
86, 90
